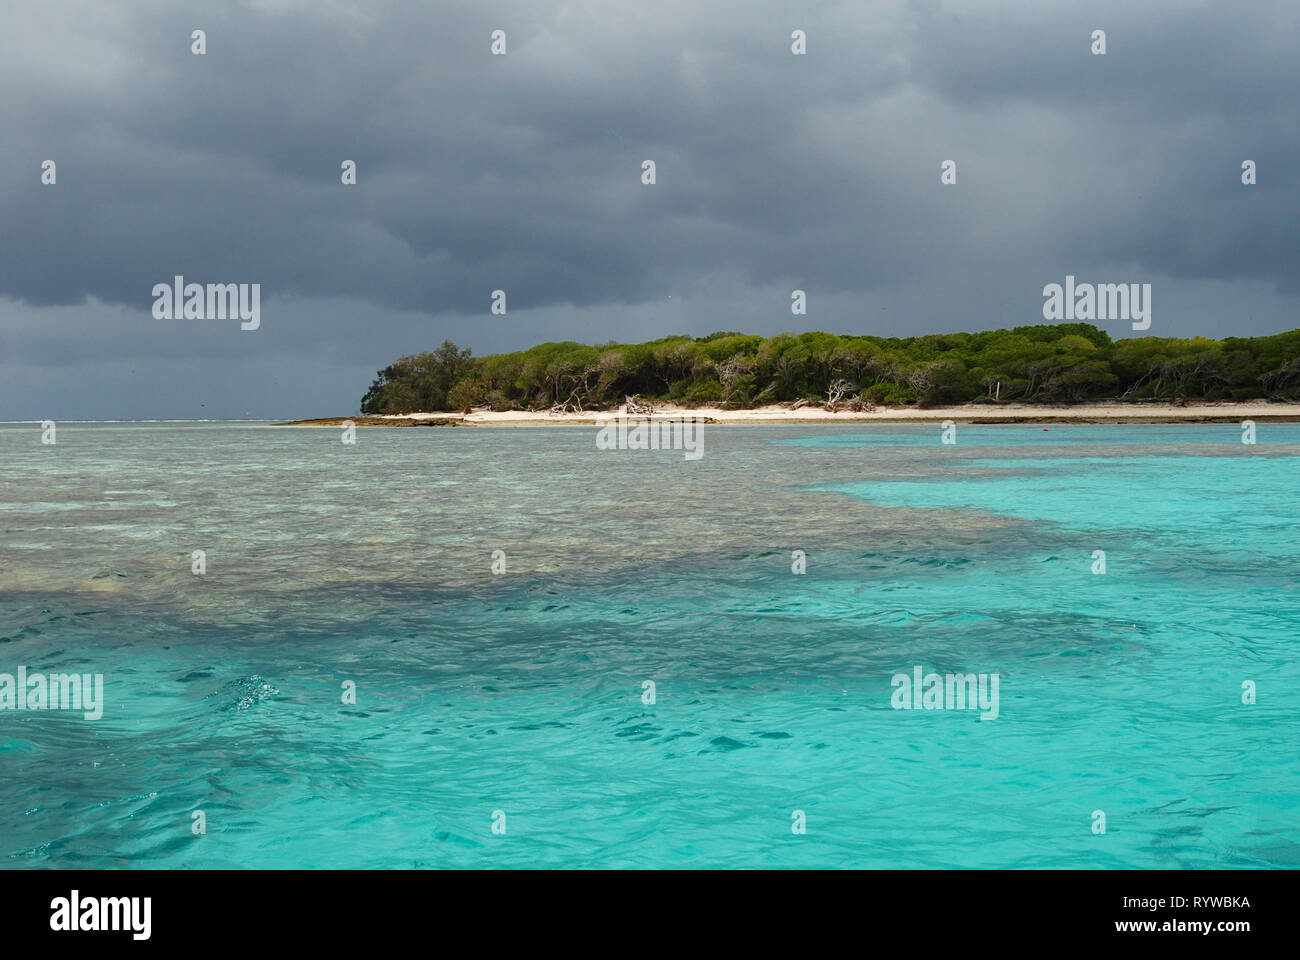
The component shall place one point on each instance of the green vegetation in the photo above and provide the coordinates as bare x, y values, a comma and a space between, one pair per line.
1060, 363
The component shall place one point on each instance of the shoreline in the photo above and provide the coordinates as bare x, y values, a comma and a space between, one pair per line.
1115, 412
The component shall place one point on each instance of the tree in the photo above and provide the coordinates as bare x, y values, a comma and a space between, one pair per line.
1064, 362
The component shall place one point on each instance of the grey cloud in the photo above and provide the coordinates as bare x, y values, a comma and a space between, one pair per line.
522, 172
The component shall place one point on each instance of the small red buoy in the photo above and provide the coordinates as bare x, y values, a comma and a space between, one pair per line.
1044, 429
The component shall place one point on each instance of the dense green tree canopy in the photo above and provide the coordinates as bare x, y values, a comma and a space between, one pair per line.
1057, 363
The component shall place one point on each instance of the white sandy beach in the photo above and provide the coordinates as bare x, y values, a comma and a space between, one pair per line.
973, 413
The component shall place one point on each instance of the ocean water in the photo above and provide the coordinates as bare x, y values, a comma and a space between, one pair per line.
516, 699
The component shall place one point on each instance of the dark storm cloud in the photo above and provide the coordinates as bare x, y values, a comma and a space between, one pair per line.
522, 172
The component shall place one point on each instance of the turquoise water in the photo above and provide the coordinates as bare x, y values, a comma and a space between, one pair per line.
522, 692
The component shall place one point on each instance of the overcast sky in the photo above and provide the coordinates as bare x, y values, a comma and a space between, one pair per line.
522, 172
